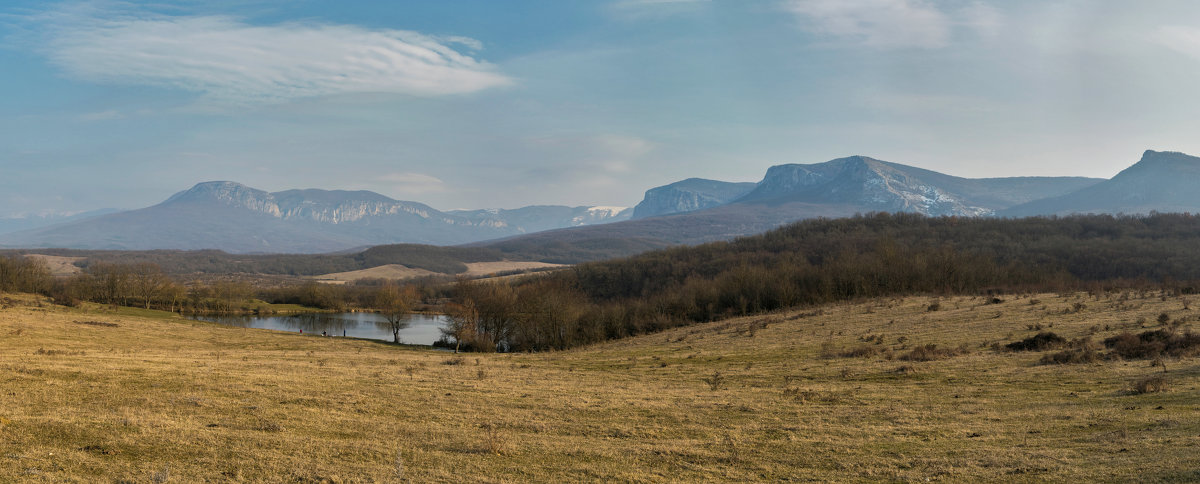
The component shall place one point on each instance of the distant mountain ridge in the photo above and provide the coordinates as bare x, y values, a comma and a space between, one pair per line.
1162, 181
875, 185
15, 223
688, 196
233, 217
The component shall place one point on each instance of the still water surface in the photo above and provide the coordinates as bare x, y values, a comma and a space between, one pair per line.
422, 328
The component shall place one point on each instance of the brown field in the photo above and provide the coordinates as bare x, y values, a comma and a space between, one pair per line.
488, 268
60, 266
397, 271
389, 271
128, 396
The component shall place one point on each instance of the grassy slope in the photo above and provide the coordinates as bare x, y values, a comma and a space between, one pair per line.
162, 397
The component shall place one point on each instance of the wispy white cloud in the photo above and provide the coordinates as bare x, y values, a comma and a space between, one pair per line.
230, 60
983, 19
410, 183
876, 23
894, 24
591, 158
1181, 39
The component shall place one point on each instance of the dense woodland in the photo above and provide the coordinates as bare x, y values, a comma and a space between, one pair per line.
821, 261
807, 263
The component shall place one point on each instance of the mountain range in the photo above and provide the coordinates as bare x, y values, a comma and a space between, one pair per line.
28, 221
235, 218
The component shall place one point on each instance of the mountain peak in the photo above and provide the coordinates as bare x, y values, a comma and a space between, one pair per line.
1162, 181
227, 192
689, 195
1159, 159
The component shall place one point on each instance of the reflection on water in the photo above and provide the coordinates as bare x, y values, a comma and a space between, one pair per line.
422, 329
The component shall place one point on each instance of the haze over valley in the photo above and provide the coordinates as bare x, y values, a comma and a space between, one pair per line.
235, 218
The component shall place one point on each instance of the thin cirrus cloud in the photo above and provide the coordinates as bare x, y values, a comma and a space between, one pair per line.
893, 24
232, 61
1181, 39
411, 183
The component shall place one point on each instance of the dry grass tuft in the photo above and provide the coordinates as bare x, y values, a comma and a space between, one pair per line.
1150, 384
931, 352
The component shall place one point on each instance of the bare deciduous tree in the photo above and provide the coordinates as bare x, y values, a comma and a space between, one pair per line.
395, 304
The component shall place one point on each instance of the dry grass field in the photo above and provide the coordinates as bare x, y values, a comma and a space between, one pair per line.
59, 266
119, 396
397, 271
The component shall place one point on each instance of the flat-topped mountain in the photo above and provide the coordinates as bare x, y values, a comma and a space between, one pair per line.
233, 217
875, 185
1161, 181
688, 196
787, 193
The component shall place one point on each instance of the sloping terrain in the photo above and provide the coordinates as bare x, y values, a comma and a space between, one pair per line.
94, 395
1160, 181
688, 196
400, 272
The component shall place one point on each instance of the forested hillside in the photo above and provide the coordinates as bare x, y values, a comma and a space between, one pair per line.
820, 261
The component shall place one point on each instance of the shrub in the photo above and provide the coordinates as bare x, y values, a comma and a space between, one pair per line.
1154, 344
1150, 384
715, 381
930, 352
860, 352
1072, 356
495, 440
1038, 342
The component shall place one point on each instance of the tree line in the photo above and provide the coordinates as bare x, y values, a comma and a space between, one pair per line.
146, 285
807, 263
820, 261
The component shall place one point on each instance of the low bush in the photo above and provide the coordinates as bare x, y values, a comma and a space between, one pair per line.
1150, 384
860, 352
1154, 344
1038, 342
930, 352
1072, 356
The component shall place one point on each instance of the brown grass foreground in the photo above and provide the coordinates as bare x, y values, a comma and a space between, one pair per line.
113, 396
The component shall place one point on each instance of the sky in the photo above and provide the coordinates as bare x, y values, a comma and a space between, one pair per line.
486, 104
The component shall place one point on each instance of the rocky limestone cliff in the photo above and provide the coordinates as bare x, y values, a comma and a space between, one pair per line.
688, 196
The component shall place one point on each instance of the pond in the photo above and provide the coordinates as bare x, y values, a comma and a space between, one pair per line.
423, 329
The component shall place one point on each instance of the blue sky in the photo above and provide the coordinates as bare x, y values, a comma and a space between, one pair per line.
472, 104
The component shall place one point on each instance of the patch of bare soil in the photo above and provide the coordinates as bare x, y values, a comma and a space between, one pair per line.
59, 266
390, 271
486, 268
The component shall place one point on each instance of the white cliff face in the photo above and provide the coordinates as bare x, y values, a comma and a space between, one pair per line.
868, 183
351, 211
688, 196
894, 193
345, 207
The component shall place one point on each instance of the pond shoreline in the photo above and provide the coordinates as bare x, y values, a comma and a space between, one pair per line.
423, 328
